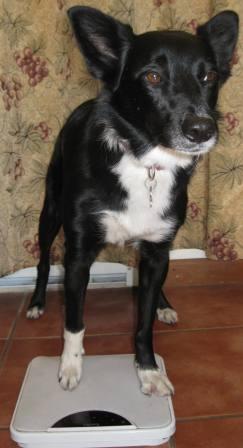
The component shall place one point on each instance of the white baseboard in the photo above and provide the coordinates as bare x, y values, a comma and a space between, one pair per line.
187, 254
102, 275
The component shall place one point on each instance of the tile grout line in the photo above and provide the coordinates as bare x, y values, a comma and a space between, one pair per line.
131, 333
204, 285
9, 339
202, 329
208, 417
60, 336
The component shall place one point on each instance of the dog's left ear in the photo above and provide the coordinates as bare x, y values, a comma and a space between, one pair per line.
221, 33
103, 41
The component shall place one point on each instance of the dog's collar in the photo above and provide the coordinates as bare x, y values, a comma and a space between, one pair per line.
151, 182
153, 168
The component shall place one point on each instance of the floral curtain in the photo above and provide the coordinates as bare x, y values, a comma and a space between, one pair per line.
43, 78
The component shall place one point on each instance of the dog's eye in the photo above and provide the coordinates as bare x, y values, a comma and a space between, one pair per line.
211, 76
153, 77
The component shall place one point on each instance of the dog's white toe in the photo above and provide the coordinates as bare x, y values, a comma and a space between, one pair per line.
70, 372
167, 315
153, 381
34, 313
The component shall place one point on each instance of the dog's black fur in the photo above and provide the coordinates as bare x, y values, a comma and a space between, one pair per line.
159, 91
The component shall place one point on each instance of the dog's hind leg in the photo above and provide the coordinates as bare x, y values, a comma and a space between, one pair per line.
49, 225
165, 312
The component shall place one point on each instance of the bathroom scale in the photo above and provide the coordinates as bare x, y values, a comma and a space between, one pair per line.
107, 409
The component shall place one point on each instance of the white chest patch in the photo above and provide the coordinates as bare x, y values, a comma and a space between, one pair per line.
140, 220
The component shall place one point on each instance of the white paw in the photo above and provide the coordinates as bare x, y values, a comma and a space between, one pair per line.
167, 315
153, 381
34, 313
70, 371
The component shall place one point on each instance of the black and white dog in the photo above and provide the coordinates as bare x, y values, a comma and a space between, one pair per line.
122, 162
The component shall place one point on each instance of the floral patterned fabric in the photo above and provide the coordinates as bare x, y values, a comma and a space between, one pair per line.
43, 78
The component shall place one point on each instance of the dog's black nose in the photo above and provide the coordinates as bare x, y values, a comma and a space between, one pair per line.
198, 129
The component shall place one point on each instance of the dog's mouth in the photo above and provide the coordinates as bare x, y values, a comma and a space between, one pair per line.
184, 146
194, 135
201, 148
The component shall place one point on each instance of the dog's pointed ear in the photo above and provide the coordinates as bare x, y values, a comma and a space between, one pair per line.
221, 33
103, 41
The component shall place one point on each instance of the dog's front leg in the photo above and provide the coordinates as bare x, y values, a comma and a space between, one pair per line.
75, 284
77, 266
152, 272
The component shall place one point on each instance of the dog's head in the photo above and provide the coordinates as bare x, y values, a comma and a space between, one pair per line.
164, 83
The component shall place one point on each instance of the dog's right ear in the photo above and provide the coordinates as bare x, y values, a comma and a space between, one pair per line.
103, 41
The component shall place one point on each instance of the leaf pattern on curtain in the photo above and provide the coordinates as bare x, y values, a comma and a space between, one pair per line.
43, 78
224, 219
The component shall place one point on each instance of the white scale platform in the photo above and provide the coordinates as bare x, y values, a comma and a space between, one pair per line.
107, 409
